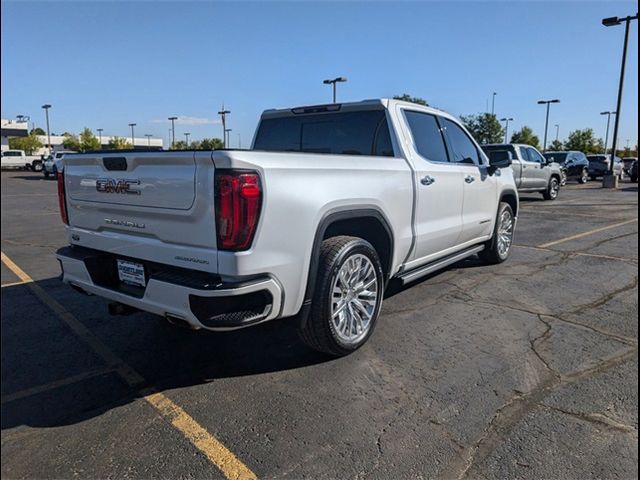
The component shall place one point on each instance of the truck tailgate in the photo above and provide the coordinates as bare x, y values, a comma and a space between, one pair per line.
150, 205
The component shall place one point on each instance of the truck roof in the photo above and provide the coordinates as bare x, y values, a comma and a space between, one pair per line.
369, 104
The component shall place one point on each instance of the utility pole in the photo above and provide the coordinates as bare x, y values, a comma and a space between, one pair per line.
173, 131
223, 113
610, 180
46, 107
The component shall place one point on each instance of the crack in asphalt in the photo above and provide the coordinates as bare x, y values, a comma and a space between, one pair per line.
595, 417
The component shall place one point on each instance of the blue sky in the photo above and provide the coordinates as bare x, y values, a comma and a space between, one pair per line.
106, 64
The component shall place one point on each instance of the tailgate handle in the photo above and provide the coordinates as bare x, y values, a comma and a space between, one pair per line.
115, 163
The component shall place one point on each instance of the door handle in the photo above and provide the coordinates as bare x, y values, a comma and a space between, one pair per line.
428, 180
469, 179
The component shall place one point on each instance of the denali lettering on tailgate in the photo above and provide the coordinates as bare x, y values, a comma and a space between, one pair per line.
112, 185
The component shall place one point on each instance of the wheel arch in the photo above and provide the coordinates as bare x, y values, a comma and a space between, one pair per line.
366, 222
511, 197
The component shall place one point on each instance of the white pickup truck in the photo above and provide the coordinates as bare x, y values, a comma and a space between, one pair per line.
329, 204
19, 159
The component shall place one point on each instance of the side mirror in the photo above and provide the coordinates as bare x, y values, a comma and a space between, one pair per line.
499, 159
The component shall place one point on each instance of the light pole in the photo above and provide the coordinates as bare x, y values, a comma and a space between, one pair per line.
333, 82
493, 103
610, 181
227, 137
506, 128
100, 130
606, 135
546, 122
46, 107
186, 138
239, 142
133, 140
557, 125
173, 130
148, 135
223, 113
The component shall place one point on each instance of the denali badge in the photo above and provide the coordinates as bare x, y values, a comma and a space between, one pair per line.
123, 223
112, 185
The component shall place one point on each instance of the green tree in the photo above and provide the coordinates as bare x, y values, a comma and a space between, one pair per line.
211, 144
71, 142
584, 141
29, 144
88, 141
525, 135
408, 98
179, 145
484, 127
38, 131
118, 143
556, 146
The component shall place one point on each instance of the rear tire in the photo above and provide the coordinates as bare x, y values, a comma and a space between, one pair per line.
347, 298
584, 178
553, 189
498, 249
46, 174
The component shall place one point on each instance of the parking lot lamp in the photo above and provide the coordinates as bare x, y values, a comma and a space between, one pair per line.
227, 137
546, 122
148, 135
557, 125
606, 135
133, 140
46, 107
506, 128
609, 180
100, 130
223, 114
186, 138
333, 83
493, 103
173, 130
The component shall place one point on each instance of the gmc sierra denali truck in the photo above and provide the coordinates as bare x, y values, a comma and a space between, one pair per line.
531, 170
329, 204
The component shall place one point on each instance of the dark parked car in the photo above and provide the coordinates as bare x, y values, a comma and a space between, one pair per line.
634, 172
599, 165
574, 165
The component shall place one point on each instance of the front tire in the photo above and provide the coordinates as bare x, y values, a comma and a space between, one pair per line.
553, 189
347, 298
498, 249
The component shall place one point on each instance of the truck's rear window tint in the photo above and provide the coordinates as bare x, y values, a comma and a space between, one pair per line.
344, 133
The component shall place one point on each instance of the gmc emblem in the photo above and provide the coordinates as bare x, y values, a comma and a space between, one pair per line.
112, 185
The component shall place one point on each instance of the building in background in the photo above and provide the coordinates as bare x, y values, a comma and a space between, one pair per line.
11, 129
14, 128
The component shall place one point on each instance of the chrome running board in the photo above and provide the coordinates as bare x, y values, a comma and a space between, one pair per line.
416, 273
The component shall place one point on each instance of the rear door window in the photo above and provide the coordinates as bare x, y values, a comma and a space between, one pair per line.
463, 150
524, 154
534, 156
427, 136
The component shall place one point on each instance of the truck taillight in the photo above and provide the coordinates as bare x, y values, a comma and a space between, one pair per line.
62, 201
238, 199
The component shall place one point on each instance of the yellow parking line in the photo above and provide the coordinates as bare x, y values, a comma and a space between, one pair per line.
230, 466
586, 234
13, 284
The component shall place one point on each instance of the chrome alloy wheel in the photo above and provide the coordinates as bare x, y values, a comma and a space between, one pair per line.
354, 299
554, 189
505, 233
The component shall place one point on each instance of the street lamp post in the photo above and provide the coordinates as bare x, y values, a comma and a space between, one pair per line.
173, 130
227, 136
546, 122
606, 135
333, 83
557, 125
100, 130
223, 114
506, 128
133, 140
46, 107
148, 135
239, 142
186, 138
610, 181
493, 103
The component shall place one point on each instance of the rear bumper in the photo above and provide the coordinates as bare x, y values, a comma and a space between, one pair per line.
202, 301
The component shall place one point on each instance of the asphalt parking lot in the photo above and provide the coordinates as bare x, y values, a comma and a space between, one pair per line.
528, 369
